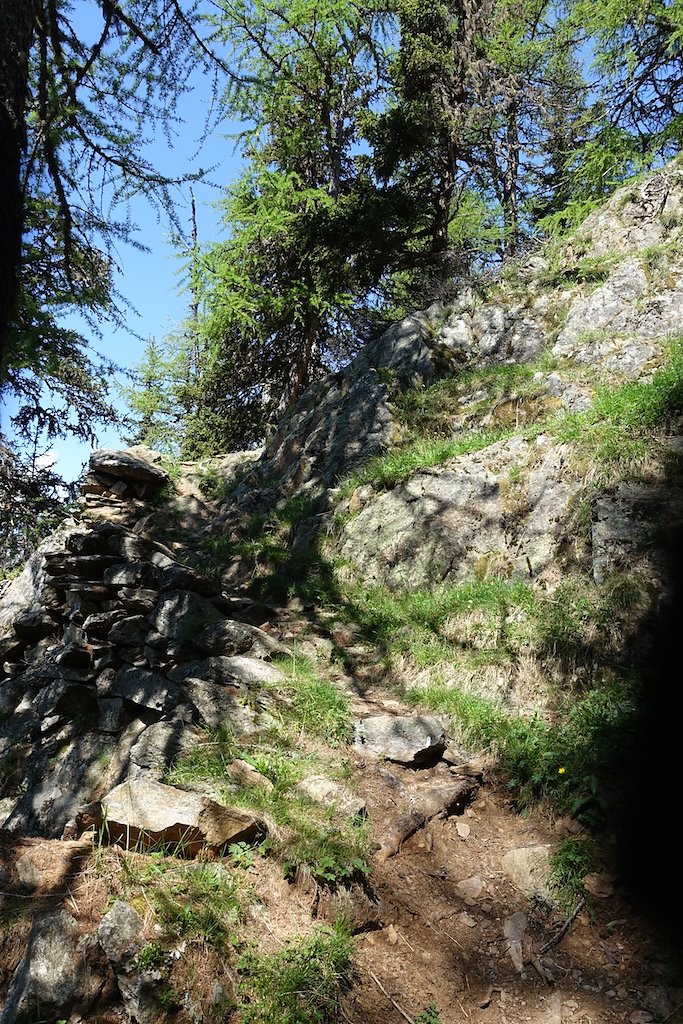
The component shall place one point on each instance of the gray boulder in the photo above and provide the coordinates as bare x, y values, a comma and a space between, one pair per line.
146, 689
237, 670
232, 637
57, 787
127, 465
182, 614
217, 707
410, 739
142, 813
161, 743
528, 868
50, 977
331, 794
119, 931
24, 593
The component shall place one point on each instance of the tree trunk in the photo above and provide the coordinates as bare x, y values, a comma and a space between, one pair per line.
17, 24
509, 183
305, 357
442, 214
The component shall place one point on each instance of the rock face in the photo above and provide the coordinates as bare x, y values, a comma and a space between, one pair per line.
49, 978
606, 312
443, 523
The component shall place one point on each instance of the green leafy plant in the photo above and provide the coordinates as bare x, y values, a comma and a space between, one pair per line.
152, 957
242, 854
300, 984
328, 845
570, 863
430, 1015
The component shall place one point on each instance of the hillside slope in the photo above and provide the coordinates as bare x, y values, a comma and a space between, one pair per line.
379, 723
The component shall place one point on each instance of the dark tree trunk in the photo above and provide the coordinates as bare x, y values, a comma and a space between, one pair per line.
17, 24
510, 185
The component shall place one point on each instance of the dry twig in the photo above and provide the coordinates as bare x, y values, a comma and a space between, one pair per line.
391, 999
557, 938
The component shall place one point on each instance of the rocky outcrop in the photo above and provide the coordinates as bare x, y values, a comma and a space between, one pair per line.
639, 215
102, 678
610, 300
117, 657
460, 519
133, 473
347, 418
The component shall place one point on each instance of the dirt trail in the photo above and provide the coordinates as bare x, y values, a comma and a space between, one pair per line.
445, 904
438, 923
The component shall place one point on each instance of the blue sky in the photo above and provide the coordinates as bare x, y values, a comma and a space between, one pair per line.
149, 281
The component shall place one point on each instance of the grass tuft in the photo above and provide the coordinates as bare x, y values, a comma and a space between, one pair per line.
565, 763
300, 984
571, 862
387, 471
317, 706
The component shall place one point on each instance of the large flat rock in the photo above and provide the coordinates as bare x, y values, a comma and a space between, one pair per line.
126, 465
141, 813
409, 739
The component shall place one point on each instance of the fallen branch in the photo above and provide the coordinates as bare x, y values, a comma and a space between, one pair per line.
425, 803
393, 1002
557, 938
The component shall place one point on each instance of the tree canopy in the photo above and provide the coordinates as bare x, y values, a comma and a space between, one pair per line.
389, 150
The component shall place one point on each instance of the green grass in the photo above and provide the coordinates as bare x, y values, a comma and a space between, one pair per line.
571, 861
565, 762
561, 272
332, 848
622, 423
204, 904
265, 540
300, 984
218, 487
617, 429
424, 623
429, 411
191, 900
430, 1015
317, 706
152, 957
388, 470
495, 620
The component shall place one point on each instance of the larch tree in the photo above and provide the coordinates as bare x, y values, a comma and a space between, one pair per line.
75, 114
279, 291
77, 106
